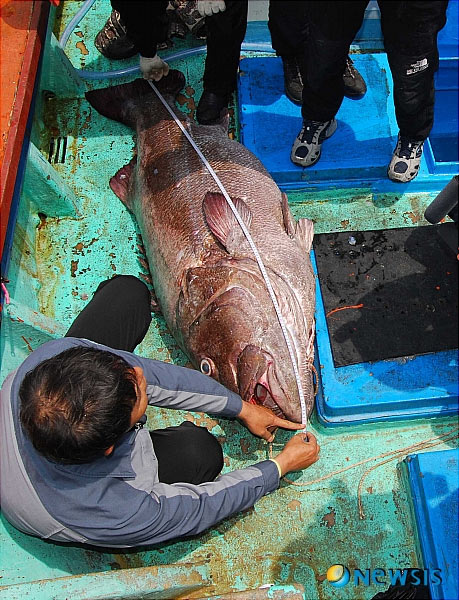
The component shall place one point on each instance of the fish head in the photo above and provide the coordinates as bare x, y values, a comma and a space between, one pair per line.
232, 334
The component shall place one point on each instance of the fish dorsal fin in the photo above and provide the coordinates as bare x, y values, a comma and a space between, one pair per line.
302, 232
289, 221
223, 223
119, 183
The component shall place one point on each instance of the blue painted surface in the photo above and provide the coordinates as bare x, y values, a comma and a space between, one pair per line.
358, 151
448, 37
433, 479
402, 388
443, 138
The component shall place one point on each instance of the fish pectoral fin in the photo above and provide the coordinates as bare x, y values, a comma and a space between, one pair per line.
223, 223
119, 183
304, 234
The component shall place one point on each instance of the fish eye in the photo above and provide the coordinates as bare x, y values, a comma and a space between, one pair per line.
207, 366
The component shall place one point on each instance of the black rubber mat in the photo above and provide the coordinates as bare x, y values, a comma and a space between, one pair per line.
388, 293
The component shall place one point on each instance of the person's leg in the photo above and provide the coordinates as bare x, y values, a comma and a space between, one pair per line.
187, 454
288, 27
225, 32
145, 21
332, 27
410, 32
118, 314
134, 26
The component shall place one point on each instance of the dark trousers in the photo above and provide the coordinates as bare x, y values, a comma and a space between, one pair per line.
145, 21
146, 25
410, 30
118, 316
288, 26
225, 33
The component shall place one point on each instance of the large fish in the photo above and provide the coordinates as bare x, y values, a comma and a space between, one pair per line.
206, 279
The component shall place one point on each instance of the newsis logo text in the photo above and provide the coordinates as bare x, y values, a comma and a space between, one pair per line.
339, 576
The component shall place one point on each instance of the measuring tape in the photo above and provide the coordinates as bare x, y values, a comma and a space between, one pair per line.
304, 418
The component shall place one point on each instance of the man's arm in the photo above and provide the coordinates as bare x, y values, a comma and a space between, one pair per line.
177, 510
171, 386
181, 509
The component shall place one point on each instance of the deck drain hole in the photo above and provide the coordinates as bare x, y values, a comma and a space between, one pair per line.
57, 150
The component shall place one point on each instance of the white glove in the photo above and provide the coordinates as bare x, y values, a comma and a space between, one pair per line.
207, 8
153, 68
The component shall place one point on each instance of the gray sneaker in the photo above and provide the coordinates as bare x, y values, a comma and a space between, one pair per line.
306, 148
406, 159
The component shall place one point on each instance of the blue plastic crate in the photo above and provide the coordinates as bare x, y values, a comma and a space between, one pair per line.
400, 388
433, 480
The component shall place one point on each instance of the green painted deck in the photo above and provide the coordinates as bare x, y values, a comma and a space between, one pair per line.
62, 249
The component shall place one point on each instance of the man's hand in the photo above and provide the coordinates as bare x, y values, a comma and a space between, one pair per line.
207, 8
153, 68
298, 453
260, 420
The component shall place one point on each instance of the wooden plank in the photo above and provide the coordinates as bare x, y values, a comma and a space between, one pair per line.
22, 33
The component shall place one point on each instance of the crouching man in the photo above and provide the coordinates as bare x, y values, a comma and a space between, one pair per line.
77, 463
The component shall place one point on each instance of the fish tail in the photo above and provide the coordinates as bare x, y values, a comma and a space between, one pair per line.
122, 102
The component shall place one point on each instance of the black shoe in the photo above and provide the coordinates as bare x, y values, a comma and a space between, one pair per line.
112, 40
211, 108
354, 84
293, 82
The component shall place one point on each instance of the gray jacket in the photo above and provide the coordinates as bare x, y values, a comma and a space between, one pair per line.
118, 501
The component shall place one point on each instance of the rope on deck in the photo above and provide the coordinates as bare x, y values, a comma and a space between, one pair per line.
393, 454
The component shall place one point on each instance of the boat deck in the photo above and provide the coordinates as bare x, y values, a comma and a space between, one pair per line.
74, 232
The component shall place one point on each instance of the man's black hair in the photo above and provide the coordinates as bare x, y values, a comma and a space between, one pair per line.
77, 404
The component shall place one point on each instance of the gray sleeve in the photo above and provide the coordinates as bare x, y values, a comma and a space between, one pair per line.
168, 385
180, 509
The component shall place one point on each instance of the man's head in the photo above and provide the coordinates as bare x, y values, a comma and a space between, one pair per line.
76, 405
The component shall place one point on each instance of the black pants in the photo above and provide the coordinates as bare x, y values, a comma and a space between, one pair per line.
225, 33
146, 25
410, 30
145, 21
118, 316
288, 26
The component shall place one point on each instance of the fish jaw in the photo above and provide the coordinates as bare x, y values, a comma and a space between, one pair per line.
258, 384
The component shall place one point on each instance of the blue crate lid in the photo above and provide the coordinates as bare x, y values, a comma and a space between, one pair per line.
433, 480
386, 390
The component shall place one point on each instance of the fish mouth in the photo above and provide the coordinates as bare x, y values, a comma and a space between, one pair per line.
263, 397
257, 380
